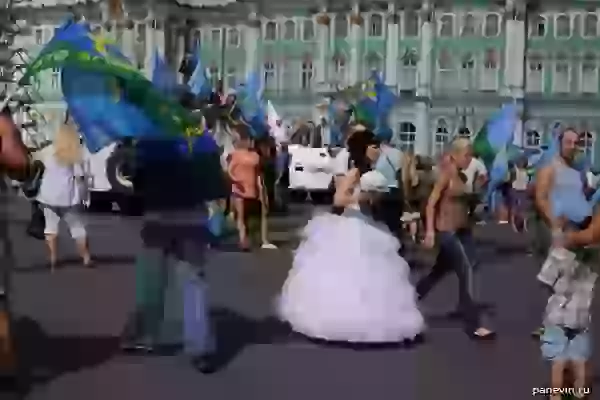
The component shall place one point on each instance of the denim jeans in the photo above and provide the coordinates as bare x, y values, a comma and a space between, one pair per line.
169, 281
456, 254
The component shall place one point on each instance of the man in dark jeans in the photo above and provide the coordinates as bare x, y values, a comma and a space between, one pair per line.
456, 254
283, 173
175, 188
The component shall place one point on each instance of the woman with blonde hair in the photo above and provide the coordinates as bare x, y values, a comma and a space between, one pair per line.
410, 181
61, 191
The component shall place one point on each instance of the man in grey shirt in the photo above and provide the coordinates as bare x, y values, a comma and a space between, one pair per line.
389, 165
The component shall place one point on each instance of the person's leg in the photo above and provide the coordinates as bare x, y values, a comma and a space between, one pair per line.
52, 217
554, 346
580, 351
239, 207
463, 260
264, 227
439, 269
74, 221
198, 332
143, 330
557, 377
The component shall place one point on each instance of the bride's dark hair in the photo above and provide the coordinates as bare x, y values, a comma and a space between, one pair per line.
357, 149
357, 145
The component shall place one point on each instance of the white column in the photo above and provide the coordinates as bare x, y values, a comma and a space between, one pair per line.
424, 74
323, 60
356, 40
129, 40
391, 51
251, 39
150, 42
514, 52
180, 50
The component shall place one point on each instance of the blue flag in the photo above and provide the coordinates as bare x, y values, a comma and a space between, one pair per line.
199, 83
163, 78
251, 105
103, 115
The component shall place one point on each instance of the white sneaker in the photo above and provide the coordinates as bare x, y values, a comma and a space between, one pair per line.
268, 246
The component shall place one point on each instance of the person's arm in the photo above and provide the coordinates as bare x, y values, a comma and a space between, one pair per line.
344, 193
231, 166
13, 153
543, 186
588, 236
440, 185
481, 176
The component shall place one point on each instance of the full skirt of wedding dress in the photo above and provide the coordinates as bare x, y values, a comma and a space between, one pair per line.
348, 283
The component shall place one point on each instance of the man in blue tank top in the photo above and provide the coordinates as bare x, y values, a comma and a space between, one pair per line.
560, 190
560, 196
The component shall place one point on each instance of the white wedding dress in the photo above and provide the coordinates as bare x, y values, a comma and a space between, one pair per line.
348, 283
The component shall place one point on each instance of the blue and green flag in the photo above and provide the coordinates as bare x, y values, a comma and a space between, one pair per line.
121, 103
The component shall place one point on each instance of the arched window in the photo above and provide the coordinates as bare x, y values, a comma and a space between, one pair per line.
562, 73
411, 23
467, 72
538, 27
374, 63
492, 25
590, 25
271, 31
376, 26
445, 62
442, 136
196, 37
306, 75
586, 143
341, 25
447, 25
469, 25
563, 26
233, 37
289, 30
270, 76
535, 73
308, 30
533, 139
589, 74
340, 68
406, 136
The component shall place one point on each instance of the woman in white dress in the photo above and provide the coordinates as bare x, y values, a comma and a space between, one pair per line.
347, 282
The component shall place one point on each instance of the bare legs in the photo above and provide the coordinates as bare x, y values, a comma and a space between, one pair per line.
84, 251
580, 374
240, 219
51, 243
264, 227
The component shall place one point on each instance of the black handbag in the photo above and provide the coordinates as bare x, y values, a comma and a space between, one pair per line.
33, 181
37, 224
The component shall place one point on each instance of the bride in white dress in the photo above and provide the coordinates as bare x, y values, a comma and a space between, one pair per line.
347, 282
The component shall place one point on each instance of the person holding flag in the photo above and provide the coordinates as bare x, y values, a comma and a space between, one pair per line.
110, 100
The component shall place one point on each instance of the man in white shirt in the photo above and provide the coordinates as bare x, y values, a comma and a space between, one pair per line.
476, 173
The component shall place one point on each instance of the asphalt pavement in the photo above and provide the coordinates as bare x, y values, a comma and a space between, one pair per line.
70, 322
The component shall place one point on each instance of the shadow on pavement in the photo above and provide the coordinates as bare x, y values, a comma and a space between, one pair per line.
42, 358
99, 261
235, 332
404, 344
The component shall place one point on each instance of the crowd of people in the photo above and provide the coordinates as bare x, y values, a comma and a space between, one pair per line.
355, 251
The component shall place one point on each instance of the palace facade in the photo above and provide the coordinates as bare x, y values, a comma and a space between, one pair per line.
452, 64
